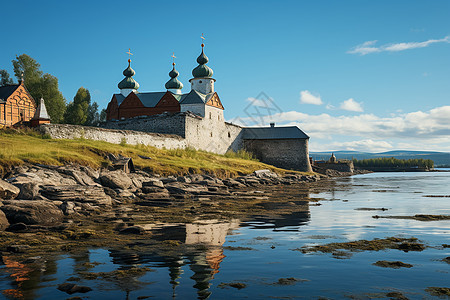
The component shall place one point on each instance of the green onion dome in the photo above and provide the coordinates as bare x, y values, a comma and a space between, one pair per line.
173, 82
202, 70
128, 82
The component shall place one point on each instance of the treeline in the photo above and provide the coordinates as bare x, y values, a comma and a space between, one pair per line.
391, 162
81, 111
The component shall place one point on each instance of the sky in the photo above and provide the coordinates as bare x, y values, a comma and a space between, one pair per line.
354, 75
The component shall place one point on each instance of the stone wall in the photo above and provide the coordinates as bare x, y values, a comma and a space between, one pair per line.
169, 123
341, 166
291, 154
210, 133
64, 131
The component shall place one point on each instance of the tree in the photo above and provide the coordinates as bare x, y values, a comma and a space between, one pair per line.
77, 110
93, 116
4, 78
103, 115
41, 85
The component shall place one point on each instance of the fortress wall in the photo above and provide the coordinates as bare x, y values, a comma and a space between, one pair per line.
64, 131
291, 154
211, 133
163, 123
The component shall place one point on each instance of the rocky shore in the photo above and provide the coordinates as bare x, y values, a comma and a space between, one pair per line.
42, 197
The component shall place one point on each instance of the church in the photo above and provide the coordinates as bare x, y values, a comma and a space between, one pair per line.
197, 118
17, 107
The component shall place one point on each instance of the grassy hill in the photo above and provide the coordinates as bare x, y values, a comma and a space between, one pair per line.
28, 146
439, 158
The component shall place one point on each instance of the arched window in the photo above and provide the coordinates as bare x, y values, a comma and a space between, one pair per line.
229, 134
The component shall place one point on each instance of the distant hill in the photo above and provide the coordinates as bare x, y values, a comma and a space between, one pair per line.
439, 158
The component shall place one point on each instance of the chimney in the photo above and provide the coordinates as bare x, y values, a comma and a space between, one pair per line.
272, 125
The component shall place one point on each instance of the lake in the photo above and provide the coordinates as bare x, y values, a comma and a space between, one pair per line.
258, 258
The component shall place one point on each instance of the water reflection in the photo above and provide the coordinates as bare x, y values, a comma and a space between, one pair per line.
26, 276
206, 239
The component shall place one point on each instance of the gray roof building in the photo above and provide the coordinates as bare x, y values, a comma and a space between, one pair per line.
273, 133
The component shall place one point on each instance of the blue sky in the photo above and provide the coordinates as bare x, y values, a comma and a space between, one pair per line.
354, 75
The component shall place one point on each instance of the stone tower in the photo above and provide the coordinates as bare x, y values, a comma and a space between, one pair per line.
202, 81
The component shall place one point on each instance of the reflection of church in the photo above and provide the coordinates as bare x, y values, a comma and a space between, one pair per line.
203, 261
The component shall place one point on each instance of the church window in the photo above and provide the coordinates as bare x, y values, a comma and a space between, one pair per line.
229, 134
210, 134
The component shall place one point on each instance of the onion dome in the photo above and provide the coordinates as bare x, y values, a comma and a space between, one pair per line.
128, 82
173, 82
202, 70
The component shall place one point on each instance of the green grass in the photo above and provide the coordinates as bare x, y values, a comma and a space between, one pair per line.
28, 146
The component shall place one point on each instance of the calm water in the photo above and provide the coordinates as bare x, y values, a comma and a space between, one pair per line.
260, 251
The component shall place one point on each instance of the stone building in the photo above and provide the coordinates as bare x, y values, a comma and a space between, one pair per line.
197, 117
17, 106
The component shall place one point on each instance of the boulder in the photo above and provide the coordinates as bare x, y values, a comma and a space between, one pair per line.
133, 230
17, 227
71, 288
28, 190
116, 180
3, 221
43, 176
233, 183
68, 207
182, 188
32, 212
80, 193
184, 179
153, 183
169, 179
265, 174
8, 191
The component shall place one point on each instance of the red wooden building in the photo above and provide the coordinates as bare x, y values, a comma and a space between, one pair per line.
16, 105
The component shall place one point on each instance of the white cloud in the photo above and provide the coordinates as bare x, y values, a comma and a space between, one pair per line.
366, 145
369, 46
257, 102
351, 105
307, 98
418, 125
330, 106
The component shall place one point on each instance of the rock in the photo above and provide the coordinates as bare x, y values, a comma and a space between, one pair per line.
8, 191
252, 182
195, 177
232, 183
133, 230
68, 207
18, 248
3, 221
153, 189
184, 179
32, 212
168, 179
154, 182
71, 288
81, 177
17, 227
265, 174
80, 193
125, 194
116, 180
43, 176
182, 188
28, 190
